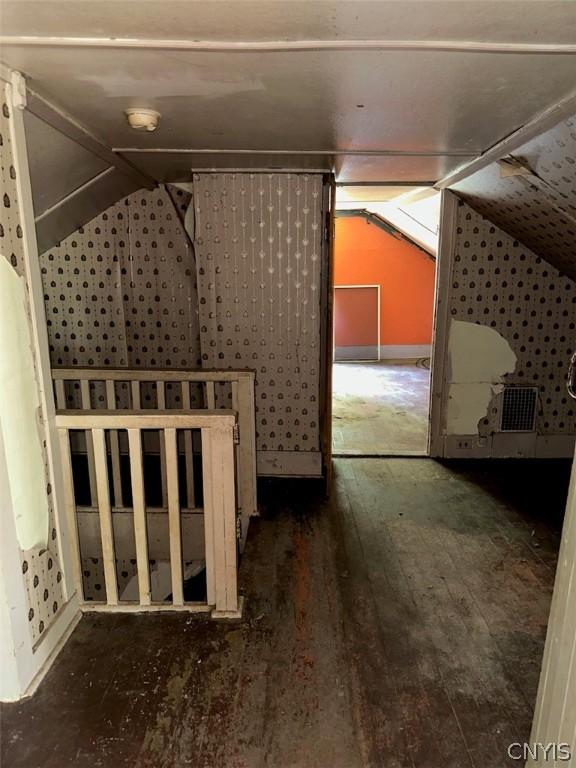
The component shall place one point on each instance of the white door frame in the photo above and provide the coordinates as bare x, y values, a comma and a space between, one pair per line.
369, 360
555, 713
441, 323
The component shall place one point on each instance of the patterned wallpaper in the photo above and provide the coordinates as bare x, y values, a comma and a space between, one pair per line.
41, 569
258, 240
121, 291
128, 289
496, 281
537, 206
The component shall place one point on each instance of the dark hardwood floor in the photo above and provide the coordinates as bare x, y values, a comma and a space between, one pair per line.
399, 624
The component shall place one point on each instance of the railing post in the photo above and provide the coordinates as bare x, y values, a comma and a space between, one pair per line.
247, 446
220, 521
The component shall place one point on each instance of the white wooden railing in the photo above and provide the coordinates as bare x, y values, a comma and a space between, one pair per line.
121, 388
217, 429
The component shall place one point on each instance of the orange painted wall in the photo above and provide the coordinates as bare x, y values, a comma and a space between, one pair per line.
365, 254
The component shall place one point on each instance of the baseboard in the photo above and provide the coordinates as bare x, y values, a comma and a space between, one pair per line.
47, 651
358, 353
467, 447
387, 352
289, 463
555, 446
405, 351
509, 445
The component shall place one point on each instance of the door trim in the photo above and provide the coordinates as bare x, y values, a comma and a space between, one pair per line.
441, 323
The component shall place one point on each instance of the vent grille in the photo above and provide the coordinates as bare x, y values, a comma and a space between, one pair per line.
519, 409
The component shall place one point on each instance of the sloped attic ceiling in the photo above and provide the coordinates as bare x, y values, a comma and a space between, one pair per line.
371, 90
73, 176
531, 195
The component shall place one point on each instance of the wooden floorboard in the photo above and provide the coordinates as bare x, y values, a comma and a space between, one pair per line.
398, 625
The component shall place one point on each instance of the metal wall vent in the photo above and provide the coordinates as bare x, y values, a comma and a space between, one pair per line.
519, 409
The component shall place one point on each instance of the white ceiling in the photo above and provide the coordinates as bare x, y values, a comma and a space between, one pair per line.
442, 108
372, 194
484, 20
52, 153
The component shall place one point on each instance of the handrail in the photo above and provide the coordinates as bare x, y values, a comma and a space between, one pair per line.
150, 374
219, 506
145, 419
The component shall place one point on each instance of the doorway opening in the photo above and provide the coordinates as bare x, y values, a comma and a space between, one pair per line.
386, 242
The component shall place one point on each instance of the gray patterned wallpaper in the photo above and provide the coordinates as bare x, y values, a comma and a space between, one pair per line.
498, 282
537, 206
121, 291
259, 245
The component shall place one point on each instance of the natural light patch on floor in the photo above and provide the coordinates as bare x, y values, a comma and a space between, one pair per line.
380, 407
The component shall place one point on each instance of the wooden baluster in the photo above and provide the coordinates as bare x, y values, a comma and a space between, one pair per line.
105, 514
188, 451
135, 389
114, 447
70, 509
60, 394
210, 396
87, 406
174, 523
161, 404
139, 509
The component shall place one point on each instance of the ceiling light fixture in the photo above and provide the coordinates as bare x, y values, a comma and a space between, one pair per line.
143, 119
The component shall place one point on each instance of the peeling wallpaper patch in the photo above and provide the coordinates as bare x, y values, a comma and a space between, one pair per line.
19, 406
478, 354
478, 358
467, 405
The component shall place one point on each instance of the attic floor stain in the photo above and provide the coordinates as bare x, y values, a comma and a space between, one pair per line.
400, 624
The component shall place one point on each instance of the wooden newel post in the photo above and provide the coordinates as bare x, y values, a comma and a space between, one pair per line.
220, 521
